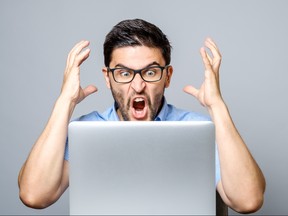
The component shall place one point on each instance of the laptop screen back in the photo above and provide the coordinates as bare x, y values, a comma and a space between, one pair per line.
142, 168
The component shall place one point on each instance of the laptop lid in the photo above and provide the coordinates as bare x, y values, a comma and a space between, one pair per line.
142, 168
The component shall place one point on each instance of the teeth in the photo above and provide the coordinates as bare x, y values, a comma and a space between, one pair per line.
139, 99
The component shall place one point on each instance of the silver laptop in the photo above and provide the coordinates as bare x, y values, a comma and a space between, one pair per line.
142, 168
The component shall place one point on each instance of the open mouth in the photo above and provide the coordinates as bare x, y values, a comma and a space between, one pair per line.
139, 104
140, 109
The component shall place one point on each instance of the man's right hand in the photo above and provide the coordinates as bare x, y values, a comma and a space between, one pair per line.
71, 88
45, 175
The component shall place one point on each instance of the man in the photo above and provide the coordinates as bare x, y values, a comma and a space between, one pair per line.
137, 70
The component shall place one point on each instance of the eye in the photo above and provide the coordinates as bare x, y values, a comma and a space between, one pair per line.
150, 73
124, 73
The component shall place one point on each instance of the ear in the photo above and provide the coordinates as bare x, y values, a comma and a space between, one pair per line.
106, 77
169, 76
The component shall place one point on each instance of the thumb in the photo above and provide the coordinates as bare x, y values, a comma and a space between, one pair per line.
191, 90
89, 90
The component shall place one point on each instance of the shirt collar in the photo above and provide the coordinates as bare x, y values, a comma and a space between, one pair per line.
115, 116
163, 113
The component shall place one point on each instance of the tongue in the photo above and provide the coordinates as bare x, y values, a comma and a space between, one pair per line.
138, 105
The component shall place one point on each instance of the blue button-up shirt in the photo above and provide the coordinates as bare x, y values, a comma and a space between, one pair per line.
167, 113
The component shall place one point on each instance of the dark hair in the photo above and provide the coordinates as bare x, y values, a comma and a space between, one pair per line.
136, 32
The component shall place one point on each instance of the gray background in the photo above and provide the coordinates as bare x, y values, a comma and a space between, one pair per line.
36, 37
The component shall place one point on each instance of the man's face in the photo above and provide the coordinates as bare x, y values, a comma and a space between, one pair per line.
138, 100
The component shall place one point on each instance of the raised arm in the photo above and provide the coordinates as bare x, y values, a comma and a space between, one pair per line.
242, 183
44, 176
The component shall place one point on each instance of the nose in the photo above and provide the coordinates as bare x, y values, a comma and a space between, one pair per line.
138, 84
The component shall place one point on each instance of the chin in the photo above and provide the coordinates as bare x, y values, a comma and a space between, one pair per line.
132, 118
143, 119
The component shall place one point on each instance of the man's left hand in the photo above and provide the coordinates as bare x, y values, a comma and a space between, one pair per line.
209, 93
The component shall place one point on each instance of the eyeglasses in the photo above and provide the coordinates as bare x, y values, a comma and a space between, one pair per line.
148, 74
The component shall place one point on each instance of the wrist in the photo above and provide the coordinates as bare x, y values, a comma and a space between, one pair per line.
218, 109
65, 105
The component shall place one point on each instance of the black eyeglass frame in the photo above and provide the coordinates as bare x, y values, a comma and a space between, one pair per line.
137, 72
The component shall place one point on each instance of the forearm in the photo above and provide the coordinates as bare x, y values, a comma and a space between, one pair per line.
44, 175
241, 178
41, 175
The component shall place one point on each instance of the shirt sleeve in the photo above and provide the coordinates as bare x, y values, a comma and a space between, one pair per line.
66, 153
217, 166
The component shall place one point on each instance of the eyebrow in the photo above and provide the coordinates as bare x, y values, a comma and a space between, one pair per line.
151, 64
